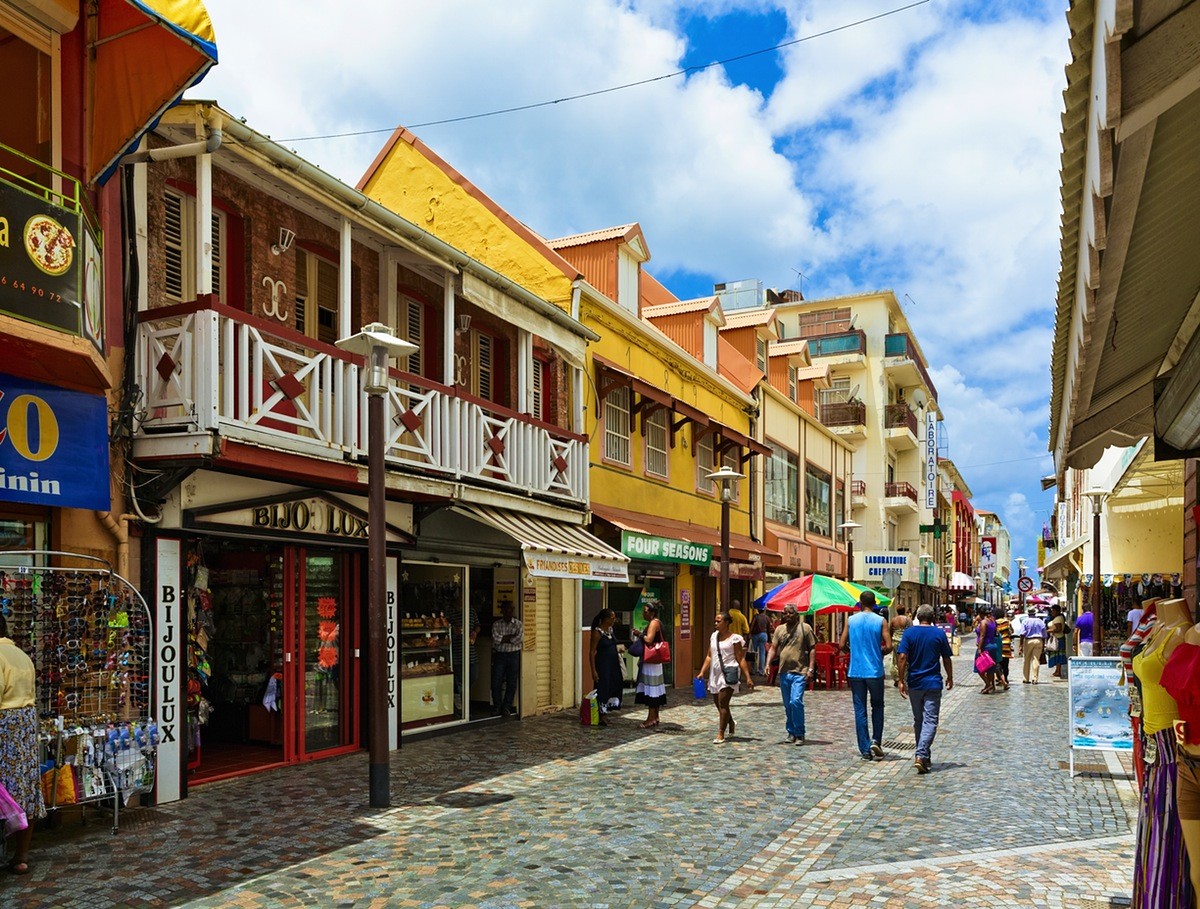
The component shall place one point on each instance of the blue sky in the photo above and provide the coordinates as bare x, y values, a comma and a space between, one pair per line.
918, 152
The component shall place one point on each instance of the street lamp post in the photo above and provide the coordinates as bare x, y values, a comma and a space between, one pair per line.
1020, 589
849, 527
1097, 496
378, 345
728, 478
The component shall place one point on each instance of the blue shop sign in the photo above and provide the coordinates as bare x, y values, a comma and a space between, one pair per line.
53, 446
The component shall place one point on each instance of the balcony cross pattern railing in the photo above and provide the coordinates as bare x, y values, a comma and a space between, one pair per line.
208, 368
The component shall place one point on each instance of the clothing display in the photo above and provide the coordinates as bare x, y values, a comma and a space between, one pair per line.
1179, 678
1161, 869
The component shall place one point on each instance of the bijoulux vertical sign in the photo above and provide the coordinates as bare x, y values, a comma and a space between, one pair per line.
169, 645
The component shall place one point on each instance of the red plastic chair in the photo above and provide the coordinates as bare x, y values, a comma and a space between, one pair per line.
826, 662
841, 665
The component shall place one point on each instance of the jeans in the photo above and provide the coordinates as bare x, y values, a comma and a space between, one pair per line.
860, 688
926, 706
504, 678
791, 686
759, 641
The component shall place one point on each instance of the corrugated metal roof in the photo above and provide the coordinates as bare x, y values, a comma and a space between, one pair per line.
679, 307
741, 318
594, 236
788, 348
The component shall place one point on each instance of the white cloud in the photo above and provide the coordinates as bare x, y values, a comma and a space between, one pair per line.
919, 152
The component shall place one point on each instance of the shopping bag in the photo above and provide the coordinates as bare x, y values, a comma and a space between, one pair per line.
12, 815
589, 710
984, 662
658, 652
58, 786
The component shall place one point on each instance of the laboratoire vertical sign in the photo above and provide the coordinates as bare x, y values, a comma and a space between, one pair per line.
931, 468
53, 446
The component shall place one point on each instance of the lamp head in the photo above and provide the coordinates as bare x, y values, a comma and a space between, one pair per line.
728, 478
378, 345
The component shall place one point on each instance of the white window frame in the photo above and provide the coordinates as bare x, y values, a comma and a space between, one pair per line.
627, 281
657, 457
185, 244
312, 324
838, 391
711, 333
791, 383
617, 447
782, 486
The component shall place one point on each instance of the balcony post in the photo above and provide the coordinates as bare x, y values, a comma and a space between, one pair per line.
204, 237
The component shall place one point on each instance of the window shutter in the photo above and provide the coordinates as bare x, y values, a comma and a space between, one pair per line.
301, 291
414, 323
483, 365
173, 246
537, 399
218, 244
327, 301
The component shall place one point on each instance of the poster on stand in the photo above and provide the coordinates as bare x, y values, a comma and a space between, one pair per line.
1099, 704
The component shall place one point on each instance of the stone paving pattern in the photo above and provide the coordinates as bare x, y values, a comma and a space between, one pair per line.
543, 812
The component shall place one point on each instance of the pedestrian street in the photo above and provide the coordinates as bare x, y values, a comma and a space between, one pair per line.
544, 812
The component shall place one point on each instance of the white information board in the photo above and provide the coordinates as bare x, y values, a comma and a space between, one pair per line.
1099, 705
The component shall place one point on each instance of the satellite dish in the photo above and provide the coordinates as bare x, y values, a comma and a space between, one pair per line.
919, 398
853, 321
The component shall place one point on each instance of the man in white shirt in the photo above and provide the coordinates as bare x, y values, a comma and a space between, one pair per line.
1132, 619
1018, 629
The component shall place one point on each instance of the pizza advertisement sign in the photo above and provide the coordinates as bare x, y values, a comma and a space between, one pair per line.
50, 265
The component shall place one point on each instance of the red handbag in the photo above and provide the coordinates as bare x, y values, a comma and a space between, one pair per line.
658, 652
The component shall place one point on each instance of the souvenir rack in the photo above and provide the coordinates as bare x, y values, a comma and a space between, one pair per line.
88, 632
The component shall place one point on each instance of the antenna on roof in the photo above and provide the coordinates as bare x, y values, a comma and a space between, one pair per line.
910, 300
800, 275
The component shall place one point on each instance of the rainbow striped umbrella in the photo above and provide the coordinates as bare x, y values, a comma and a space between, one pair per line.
818, 594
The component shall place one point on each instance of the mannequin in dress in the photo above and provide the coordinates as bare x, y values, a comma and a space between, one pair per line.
1161, 871
1182, 679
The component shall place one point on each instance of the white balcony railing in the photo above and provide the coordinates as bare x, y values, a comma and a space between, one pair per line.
206, 368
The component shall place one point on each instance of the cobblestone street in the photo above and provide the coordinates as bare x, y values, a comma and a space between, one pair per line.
543, 812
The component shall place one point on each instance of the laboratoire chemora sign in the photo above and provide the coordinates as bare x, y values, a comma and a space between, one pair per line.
50, 265
53, 446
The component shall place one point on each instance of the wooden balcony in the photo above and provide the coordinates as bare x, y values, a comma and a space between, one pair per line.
899, 497
858, 493
209, 370
847, 419
900, 426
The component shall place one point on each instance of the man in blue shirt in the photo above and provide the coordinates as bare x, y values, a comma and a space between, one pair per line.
866, 634
921, 679
1083, 634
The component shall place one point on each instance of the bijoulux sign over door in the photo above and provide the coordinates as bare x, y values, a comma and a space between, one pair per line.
317, 516
664, 549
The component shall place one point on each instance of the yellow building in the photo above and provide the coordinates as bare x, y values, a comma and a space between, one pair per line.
665, 402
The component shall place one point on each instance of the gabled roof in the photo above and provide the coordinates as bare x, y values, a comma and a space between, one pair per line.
403, 135
626, 233
681, 307
812, 374
790, 348
745, 318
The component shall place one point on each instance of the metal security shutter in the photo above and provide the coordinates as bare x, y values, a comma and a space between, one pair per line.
541, 622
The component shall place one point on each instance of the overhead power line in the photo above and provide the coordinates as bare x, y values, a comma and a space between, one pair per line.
617, 88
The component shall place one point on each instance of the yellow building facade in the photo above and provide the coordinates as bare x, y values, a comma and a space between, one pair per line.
661, 411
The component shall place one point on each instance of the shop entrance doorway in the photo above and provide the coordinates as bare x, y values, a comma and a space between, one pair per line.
281, 628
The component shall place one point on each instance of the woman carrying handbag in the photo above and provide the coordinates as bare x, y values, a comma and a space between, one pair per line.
723, 667
651, 689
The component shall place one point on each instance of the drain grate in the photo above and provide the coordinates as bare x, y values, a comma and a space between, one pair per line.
472, 799
1105, 902
894, 745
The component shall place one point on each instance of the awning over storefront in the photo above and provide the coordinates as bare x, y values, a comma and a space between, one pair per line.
1061, 562
552, 549
146, 53
961, 581
741, 548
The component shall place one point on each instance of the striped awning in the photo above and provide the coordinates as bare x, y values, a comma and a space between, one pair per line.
146, 53
553, 549
961, 581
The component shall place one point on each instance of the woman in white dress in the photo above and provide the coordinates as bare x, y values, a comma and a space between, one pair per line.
724, 666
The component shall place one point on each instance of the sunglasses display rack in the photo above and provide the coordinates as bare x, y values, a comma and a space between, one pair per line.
87, 630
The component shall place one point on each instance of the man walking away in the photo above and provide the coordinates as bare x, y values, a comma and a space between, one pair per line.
866, 635
738, 623
760, 637
796, 646
1083, 634
1035, 641
921, 680
508, 634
